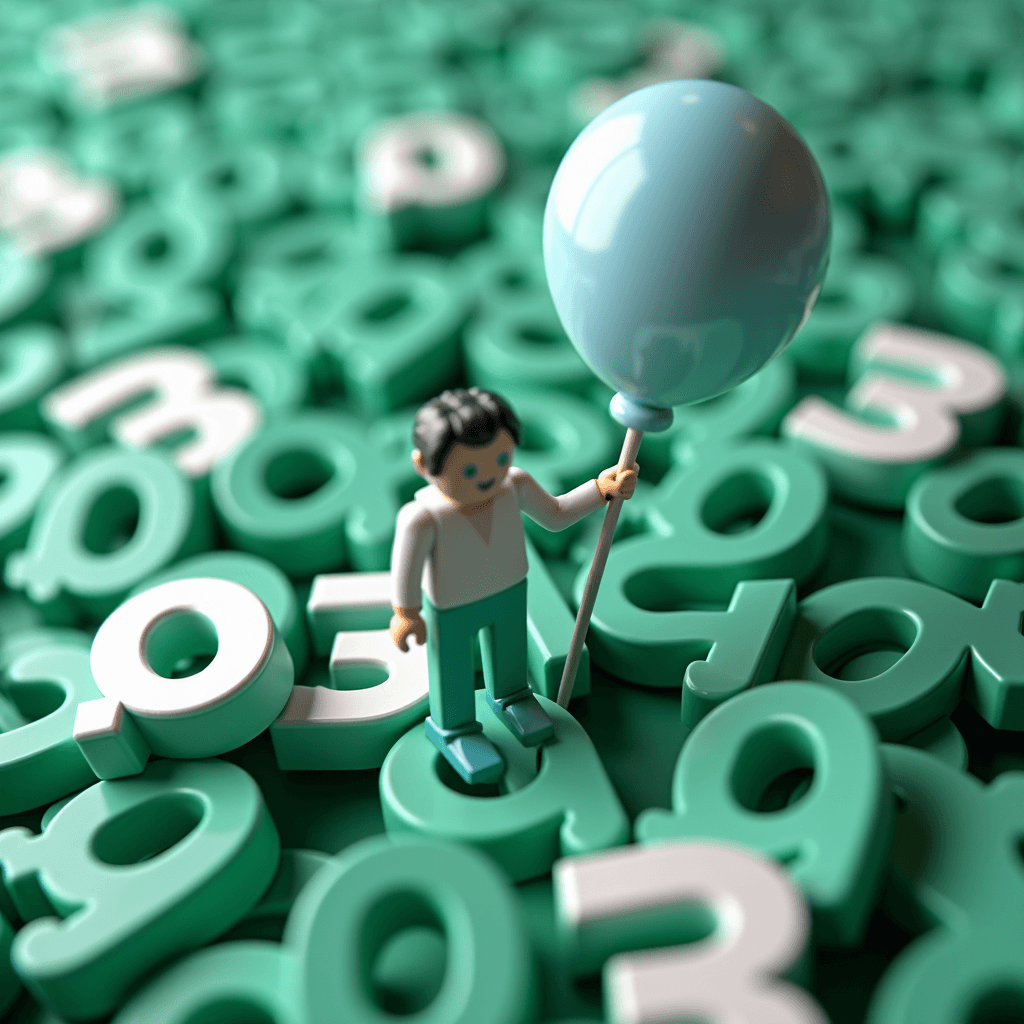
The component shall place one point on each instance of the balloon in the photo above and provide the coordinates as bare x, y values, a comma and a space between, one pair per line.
686, 237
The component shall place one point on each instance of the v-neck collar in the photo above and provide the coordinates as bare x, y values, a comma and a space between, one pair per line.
482, 522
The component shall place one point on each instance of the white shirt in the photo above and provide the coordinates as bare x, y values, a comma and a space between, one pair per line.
459, 562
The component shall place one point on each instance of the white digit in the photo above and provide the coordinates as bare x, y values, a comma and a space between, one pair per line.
186, 398
431, 159
145, 709
676, 49
118, 55
341, 727
760, 928
961, 380
347, 601
45, 206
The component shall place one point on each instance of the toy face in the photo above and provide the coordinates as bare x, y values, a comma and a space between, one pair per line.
470, 475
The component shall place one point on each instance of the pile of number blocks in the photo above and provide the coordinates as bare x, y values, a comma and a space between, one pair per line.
240, 242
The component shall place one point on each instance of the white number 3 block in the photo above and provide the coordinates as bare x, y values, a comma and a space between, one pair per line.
744, 920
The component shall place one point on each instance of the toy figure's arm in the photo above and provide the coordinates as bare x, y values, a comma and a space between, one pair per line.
557, 513
414, 537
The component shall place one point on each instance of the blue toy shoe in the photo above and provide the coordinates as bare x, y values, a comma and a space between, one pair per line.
523, 716
468, 751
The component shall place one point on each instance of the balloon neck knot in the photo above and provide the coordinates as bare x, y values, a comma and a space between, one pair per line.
647, 418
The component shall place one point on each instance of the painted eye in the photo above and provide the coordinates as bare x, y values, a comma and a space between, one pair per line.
470, 471
503, 459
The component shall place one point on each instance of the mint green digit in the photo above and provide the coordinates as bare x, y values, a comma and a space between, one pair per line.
27, 464
522, 346
233, 982
109, 519
34, 361
132, 872
956, 876
995, 684
391, 331
792, 770
697, 582
896, 648
903, 651
277, 381
39, 759
944, 741
263, 578
377, 888
106, 322
267, 919
566, 806
304, 493
963, 525
161, 246
10, 984
23, 284
246, 977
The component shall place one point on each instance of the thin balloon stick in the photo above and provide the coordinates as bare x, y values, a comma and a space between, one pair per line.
630, 447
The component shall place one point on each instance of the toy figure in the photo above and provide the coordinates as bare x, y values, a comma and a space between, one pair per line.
463, 536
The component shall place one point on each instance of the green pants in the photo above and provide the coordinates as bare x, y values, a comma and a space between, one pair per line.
501, 621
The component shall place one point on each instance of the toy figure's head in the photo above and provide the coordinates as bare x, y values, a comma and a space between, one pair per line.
465, 439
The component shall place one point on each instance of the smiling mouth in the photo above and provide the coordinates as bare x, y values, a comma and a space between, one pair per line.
486, 485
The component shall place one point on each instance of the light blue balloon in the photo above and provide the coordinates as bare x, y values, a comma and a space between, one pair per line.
686, 237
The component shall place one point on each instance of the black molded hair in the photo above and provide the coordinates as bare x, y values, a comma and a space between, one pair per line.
468, 416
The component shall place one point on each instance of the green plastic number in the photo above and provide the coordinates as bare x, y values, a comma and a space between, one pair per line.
956, 875
963, 523
105, 322
903, 651
792, 770
34, 360
10, 983
132, 872
391, 331
523, 347
304, 493
380, 913
165, 246
278, 382
109, 519
718, 530
377, 888
236, 981
27, 464
565, 806
39, 759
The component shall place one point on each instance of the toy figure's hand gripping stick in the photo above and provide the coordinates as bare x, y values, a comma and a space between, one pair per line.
686, 237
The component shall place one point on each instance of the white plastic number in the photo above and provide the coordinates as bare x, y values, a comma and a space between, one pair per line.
961, 379
122, 54
145, 709
466, 161
760, 929
341, 727
675, 49
186, 398
45, 206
